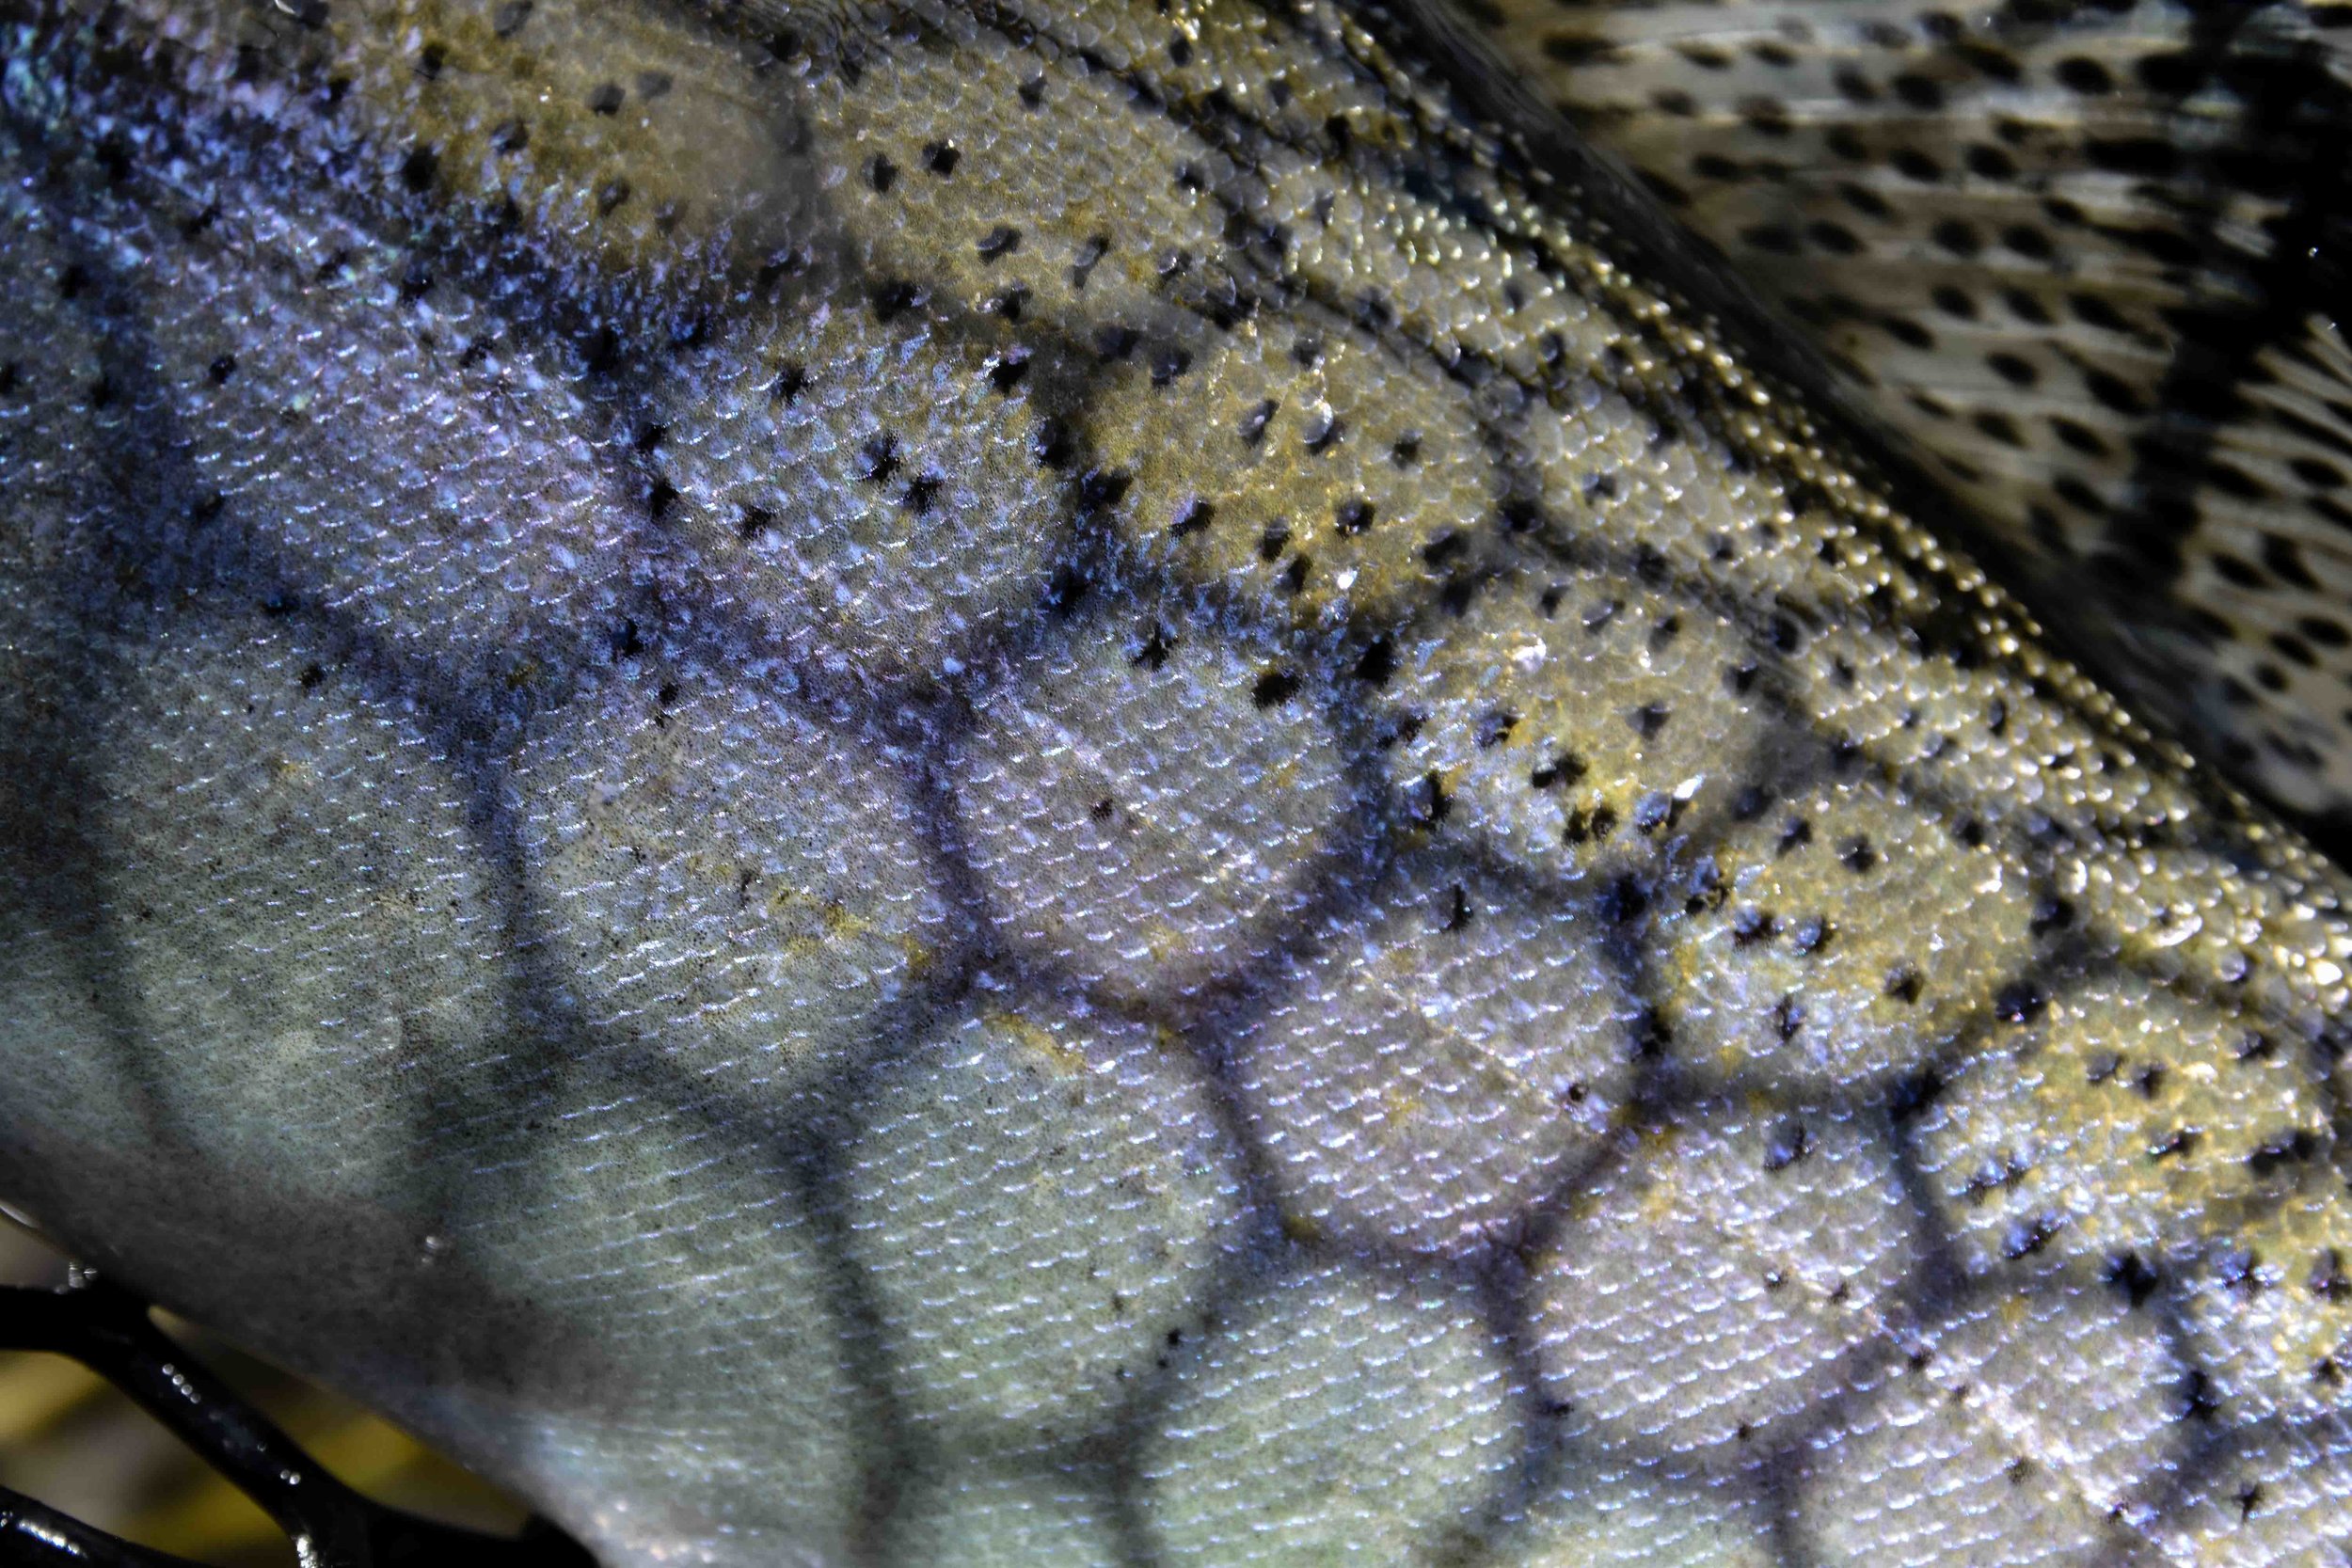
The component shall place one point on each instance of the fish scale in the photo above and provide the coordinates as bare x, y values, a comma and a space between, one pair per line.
951, 783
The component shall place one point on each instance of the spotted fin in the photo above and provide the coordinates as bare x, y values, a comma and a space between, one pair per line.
2084, 255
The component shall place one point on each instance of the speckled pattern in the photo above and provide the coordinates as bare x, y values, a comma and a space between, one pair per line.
2091, 256
957, 784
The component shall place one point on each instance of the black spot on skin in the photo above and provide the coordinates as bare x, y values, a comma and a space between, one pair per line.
1565, 768
1274, 688
606, 98
1957, 236
1152, 653
2051, 914
1623, 900
1006, 369
2084, 75
417, 169
1834, 238
2028, 241
1586, 825
998, 242
220, 370
1991, 163
921, 493
2130, 1274
1376, 664
2282, 1153
1914, 164
1918, 91
1193, 518
940, 158
1789, 1144
1352, 516
1903, 984
2112, 390
1102, 489
1427, 804
660, 496
878, 459
1914, 1093
881, 173
2028, 1237
2018, 1002
1656, 809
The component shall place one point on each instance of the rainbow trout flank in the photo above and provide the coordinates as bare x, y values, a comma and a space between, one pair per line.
971, 784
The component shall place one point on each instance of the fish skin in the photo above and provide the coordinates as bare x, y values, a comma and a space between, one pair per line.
978, 786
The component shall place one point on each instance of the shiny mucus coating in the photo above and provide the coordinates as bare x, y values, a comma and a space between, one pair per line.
968, 784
